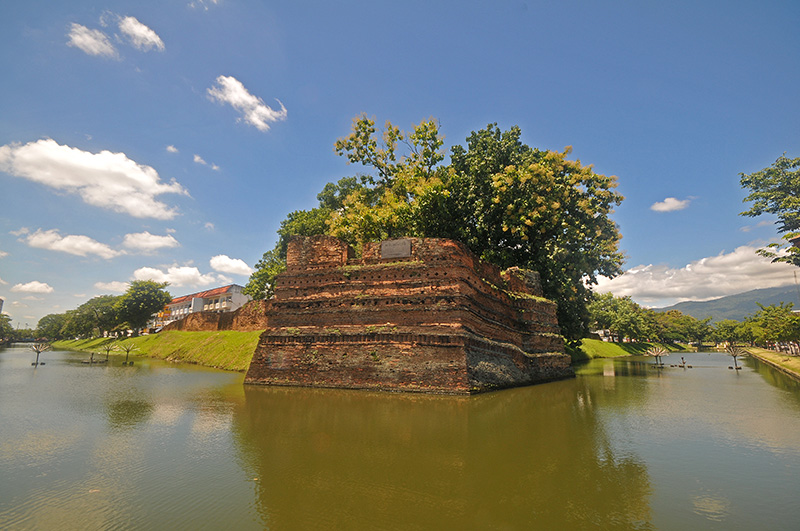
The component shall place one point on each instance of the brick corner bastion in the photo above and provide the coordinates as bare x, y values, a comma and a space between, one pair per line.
411, 314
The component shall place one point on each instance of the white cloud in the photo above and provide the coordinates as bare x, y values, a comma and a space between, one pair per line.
765, 223
670, 204
172, 149
226, 264
708, 278
140, 36
107, 180
179, 276
201, 3
3, 254
92, 42
75, 244
199, 160
149, 243
113, 287
252, 108
32, 287
209, 226
3, 281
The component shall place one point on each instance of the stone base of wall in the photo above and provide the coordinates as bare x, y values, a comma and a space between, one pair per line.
454, 363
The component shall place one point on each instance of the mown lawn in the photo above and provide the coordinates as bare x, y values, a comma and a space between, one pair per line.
227, 350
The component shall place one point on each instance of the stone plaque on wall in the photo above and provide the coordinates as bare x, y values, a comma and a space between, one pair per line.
396, 248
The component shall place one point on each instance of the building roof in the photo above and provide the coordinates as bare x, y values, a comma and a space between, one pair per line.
205, 294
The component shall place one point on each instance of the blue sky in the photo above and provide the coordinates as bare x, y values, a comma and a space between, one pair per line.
168, 139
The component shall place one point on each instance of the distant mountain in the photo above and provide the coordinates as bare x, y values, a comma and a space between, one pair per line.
737, 306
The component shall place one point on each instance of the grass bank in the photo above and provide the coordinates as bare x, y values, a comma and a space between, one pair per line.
226, 350
787, 364
595, 348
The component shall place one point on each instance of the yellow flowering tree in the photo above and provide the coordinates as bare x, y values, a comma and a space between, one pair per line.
514, 205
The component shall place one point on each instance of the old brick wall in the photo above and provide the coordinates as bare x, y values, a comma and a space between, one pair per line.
411, 314
250, 317
318, 252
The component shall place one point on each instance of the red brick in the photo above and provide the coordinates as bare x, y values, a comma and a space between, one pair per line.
436, 320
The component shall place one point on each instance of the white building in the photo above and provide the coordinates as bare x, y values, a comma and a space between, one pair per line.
224, 299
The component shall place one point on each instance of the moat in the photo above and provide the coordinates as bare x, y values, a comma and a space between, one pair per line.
621, 446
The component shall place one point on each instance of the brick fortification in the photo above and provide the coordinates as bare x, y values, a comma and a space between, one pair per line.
249, 318
410, 315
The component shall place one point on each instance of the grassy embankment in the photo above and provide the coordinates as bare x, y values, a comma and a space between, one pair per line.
788, 364
595, 348
223, 350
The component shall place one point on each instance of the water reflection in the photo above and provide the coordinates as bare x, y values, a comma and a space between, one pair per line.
622, 446
712, 507
126, 414
519, 458
777, 379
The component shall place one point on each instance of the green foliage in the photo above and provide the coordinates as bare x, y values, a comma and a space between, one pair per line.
673, 325
101, 312
726, 331
92, 318
776, 190
362, 146
385, 205
77, 324
262, 281
626, 319
775, 323
23, 334
620, 316
6, 330
51, 326
142, 299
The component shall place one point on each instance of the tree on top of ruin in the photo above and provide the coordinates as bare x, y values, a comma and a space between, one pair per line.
511, 204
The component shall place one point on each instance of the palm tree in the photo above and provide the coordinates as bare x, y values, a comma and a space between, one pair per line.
657, 353
38, 348
734, 352
108, 347
127, 347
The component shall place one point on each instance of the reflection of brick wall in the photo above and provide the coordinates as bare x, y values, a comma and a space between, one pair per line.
412, 314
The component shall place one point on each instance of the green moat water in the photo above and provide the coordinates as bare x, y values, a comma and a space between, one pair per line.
621, 446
